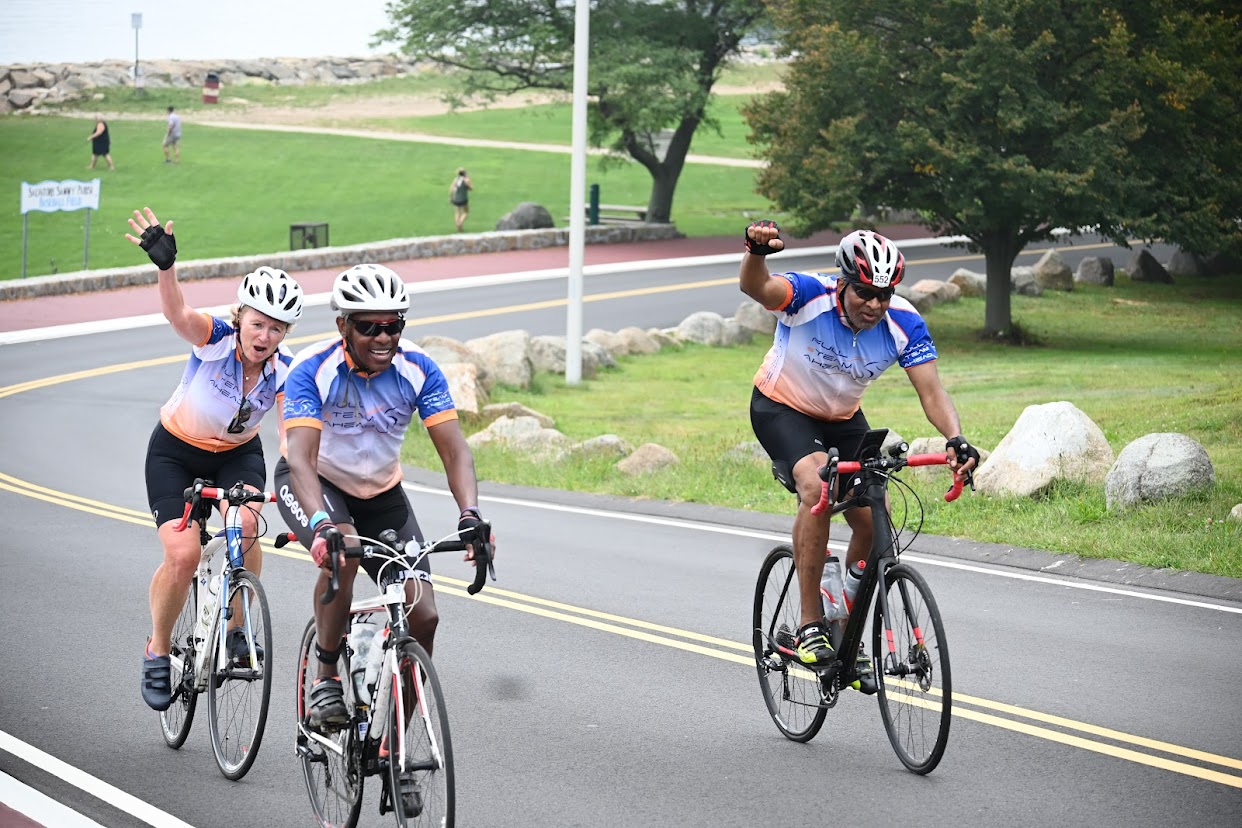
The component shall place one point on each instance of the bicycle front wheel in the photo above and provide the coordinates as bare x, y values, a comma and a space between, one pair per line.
331, 763
420, 762
241, 683
912, 668
176, 720
791, 692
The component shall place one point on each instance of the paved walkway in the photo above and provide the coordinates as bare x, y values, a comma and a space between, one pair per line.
26, 314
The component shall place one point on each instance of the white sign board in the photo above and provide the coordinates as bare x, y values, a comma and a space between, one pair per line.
135, 20
53, 196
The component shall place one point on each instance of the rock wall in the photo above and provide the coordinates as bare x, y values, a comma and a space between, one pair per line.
24, 87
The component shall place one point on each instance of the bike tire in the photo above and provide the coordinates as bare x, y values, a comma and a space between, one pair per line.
915, 683
175, 722
791, 692
420, 763
239, 690
333, 781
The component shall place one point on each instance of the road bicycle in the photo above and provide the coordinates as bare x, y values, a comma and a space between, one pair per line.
238, 686
398, 726
909, 652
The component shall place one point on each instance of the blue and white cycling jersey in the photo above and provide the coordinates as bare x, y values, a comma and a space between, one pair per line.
363, 417
817, 365
210, 393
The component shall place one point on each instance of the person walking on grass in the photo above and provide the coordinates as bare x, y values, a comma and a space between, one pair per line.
459, 197
101, 144
172, 138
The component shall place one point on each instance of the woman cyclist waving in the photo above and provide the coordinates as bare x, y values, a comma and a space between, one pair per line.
209, 426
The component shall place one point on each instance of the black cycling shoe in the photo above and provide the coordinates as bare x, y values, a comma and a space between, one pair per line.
326, 711
157, 682
235, 645
863, 677
814, 649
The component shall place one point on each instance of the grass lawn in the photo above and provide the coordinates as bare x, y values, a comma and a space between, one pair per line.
1137, 359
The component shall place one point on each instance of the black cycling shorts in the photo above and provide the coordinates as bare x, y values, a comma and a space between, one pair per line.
370, 516
173, 465
788, 435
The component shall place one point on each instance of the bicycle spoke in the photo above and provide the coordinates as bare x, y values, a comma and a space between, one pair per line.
176, 720
792, 693
330, 763
421, 756
240, 688
915, 690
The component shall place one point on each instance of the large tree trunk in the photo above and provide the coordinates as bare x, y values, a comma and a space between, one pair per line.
664, 171
999, 251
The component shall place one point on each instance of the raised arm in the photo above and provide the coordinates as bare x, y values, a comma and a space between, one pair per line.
762, 238
191, 325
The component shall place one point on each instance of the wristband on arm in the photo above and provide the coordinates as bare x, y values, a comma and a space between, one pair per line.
317, 518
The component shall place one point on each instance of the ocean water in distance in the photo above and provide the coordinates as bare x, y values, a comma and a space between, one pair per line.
81, 31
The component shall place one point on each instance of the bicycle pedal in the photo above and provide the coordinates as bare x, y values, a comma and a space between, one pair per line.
411, 797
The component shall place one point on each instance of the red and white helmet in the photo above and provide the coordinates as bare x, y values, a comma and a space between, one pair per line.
867, 258
271, 291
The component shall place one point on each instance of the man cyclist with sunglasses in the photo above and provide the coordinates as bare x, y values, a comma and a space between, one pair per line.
835, 334
349, 402
209, 428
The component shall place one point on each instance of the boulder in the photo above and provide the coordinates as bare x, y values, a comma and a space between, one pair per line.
1022, 282
503, 357
1156, 467
969, 282
526, 216
464, 387
1145, 268
647, 458
1095, 270
1050, 442
704, 327
751, 314
1052, 273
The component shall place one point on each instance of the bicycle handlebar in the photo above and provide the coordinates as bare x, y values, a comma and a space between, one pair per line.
236, 496
828, 473
484, 560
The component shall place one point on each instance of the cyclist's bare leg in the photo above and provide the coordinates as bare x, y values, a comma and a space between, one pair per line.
331, 619
171, 582
810, 536
423, 616
859, 521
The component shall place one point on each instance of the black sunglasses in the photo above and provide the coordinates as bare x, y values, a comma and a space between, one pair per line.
866, 294
393, 327
243, 416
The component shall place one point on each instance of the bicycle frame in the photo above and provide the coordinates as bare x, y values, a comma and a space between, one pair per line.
232, 540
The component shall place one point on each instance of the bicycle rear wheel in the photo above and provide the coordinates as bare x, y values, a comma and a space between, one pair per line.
792, 693
420, 762
332, 771
915, 685
176, 720
240, 688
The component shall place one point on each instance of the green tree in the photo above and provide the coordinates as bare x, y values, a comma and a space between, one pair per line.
1000, 120
652, 64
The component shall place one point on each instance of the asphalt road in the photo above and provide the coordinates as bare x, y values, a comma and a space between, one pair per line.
605, 679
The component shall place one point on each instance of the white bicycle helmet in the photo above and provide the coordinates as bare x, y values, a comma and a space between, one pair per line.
369, 287
273, 292
867, 258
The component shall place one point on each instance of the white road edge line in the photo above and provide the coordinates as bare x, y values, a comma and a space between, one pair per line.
773, 536
39, 806
97, 788
435, 286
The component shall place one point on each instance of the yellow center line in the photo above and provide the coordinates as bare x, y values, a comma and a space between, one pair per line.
685, 641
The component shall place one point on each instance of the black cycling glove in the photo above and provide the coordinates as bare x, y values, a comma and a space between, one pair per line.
964, 450
467, 525
756, 248
160, 246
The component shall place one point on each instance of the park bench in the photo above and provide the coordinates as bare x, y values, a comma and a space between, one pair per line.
619, 214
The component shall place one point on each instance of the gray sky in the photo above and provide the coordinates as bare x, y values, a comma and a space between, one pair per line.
76, 31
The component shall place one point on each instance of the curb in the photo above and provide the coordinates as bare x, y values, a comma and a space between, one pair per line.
323, 258
1054, 564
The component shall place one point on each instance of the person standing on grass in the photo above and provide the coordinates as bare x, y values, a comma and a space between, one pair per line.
172, 138
101, 144
459, 197
835, 334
